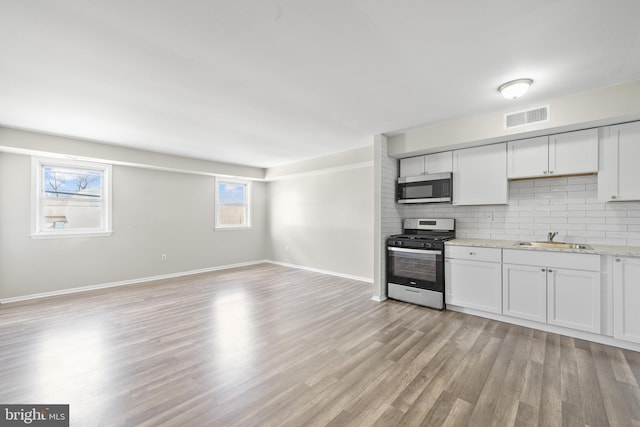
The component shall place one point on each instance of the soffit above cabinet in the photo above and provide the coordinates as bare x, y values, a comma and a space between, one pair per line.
601, 107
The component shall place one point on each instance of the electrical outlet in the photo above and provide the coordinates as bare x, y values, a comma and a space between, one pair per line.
163, 257
488, 217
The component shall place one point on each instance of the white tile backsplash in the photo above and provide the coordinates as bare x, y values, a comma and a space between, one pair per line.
567, 205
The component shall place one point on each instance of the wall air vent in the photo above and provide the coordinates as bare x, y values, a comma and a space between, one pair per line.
527, 117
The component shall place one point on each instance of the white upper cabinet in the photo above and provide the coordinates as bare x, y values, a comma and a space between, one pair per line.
568, 153
573, 153
528, 157
412, 166
431, 163
480, 175
619, 176
439, 162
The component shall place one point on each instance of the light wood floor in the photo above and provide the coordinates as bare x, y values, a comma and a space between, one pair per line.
267, 346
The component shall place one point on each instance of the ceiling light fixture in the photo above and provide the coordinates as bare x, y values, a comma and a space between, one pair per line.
515, 88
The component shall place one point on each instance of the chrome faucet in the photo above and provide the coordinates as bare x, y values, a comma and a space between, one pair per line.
551, 235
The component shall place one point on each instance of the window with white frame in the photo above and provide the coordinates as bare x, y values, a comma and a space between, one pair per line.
70, 198
233, 203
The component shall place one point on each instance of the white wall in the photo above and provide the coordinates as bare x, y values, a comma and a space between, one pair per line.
154, 212
324, 219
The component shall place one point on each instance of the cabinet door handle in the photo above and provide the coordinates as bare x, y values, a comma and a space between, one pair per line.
543, 269
545, 172
617, 259
550, 172
613, 197
550, 270
472, 253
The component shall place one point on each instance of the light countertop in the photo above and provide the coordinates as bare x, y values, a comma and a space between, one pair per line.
632, 251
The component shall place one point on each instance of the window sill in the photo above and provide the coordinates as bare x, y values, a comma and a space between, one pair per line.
70, 235
248, 227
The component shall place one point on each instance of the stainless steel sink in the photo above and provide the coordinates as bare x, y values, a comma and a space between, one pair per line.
553, 245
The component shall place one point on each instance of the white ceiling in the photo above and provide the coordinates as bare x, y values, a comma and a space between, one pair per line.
265, 82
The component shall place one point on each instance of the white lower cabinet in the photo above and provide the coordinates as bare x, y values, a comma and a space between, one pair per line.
524, 292
626, 299
473, 278
536, 288
573, 299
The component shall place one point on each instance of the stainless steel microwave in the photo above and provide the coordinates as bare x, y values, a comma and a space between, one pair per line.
431, 188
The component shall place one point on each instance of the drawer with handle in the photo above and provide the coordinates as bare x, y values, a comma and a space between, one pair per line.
474, 253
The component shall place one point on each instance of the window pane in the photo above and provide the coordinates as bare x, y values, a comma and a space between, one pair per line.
72, 198
231, 214
231, 193
72, 183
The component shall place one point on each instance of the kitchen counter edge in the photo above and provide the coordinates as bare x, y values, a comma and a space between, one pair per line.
631, 251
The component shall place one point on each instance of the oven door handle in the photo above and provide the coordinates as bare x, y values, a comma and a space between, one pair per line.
414, 251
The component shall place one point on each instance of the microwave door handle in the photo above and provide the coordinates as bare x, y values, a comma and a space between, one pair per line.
427, 200
414, 251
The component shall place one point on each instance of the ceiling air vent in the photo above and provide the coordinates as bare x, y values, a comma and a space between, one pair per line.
527, 117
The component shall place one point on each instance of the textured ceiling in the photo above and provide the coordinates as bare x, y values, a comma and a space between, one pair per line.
265, 83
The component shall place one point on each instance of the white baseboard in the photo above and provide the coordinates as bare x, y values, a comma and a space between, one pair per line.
127, 282
318, 270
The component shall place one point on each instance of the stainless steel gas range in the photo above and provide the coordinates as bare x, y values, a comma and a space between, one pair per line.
415, 261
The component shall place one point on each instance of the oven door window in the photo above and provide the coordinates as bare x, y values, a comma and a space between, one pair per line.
415, 267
